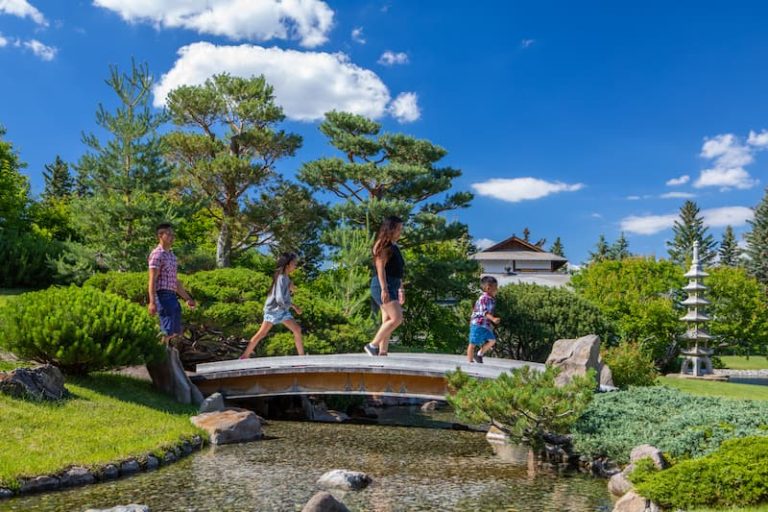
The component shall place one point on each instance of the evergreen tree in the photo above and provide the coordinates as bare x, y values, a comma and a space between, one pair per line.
58, 181
14, 187
757, 242
386, 174
688, 228
730, 252
396, 174
228, 163
601, 251
557, 248
619, 249
126, 176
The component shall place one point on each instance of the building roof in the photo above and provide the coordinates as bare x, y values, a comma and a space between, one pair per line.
517, 255
514, 243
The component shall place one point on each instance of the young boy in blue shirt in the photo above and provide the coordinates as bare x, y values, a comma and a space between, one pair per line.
480, 325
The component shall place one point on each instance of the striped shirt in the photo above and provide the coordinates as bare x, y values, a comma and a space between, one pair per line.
165, 263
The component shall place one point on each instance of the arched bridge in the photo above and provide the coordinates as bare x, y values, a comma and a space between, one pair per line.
399, 374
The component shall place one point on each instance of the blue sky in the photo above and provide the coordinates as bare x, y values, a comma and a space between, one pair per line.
572, 120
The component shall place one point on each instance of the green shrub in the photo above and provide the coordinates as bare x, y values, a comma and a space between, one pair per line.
24, 258
734, 475
533, 317
128, 285
282, 344
524, 403
677, 423
79, 329
630, 365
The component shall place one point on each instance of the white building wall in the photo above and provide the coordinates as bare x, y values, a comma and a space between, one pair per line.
497, 266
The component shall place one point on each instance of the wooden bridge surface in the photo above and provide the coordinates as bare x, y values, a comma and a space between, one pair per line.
399, 374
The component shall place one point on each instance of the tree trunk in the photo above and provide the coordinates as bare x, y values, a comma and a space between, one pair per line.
224, 246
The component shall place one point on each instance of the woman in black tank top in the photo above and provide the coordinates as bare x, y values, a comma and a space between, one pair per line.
386, 285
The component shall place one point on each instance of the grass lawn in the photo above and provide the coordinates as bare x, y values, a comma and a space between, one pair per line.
107, 419
756, 508
714, 388
742, 363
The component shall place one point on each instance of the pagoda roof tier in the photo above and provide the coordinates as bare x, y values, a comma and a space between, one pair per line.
695, 300
700, 335
695, 316
693, 286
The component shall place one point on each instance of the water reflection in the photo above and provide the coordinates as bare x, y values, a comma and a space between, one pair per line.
413, 469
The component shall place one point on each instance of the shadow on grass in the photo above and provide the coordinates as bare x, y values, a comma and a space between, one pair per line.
130, 389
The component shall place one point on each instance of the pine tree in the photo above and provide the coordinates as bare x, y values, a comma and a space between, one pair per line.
127, 179
557, 248
58, 181
619, 249
688, 228
730, 253
227, 157
757, 242
14, 188
601, 251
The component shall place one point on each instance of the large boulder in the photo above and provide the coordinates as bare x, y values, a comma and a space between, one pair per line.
619, 484
41, 383
213, 403
324, 502
344, 479
576, 357
230, 425
646, 451
169, 377
633, 502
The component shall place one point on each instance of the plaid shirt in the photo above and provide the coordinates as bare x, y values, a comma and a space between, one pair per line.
165, 262
485, 304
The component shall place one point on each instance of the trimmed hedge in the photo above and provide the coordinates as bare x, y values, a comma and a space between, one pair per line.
734, 475
79, 330
677, 423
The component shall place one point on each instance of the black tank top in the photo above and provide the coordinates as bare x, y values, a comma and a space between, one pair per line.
395, 266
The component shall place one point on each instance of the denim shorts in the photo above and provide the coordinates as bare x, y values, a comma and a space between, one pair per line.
277, 317
169, 311
478, 334
393, 286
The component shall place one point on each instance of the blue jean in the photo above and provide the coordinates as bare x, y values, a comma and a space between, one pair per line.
393, 286
169, 311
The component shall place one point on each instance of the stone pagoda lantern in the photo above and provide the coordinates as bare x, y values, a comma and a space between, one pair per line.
696, 356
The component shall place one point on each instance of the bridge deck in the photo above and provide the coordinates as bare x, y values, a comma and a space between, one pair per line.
399, 374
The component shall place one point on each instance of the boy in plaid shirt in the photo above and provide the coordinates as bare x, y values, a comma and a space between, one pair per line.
480, 325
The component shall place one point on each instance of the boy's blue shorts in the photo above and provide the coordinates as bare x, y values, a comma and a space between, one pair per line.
478, 334
169, 311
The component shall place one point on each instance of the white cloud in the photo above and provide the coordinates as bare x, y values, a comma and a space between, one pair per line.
730, 157
633, 198
527, 43
522, 189
307, 84
714, 217
727, 216
405, 108
677, 195
43, 51
3, 41
390, 58
357, 35
759, 140
23, 9
484, 243
596, 215
648, 224
682, 180
308, 21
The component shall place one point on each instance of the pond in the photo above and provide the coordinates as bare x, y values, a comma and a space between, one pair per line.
413, 469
